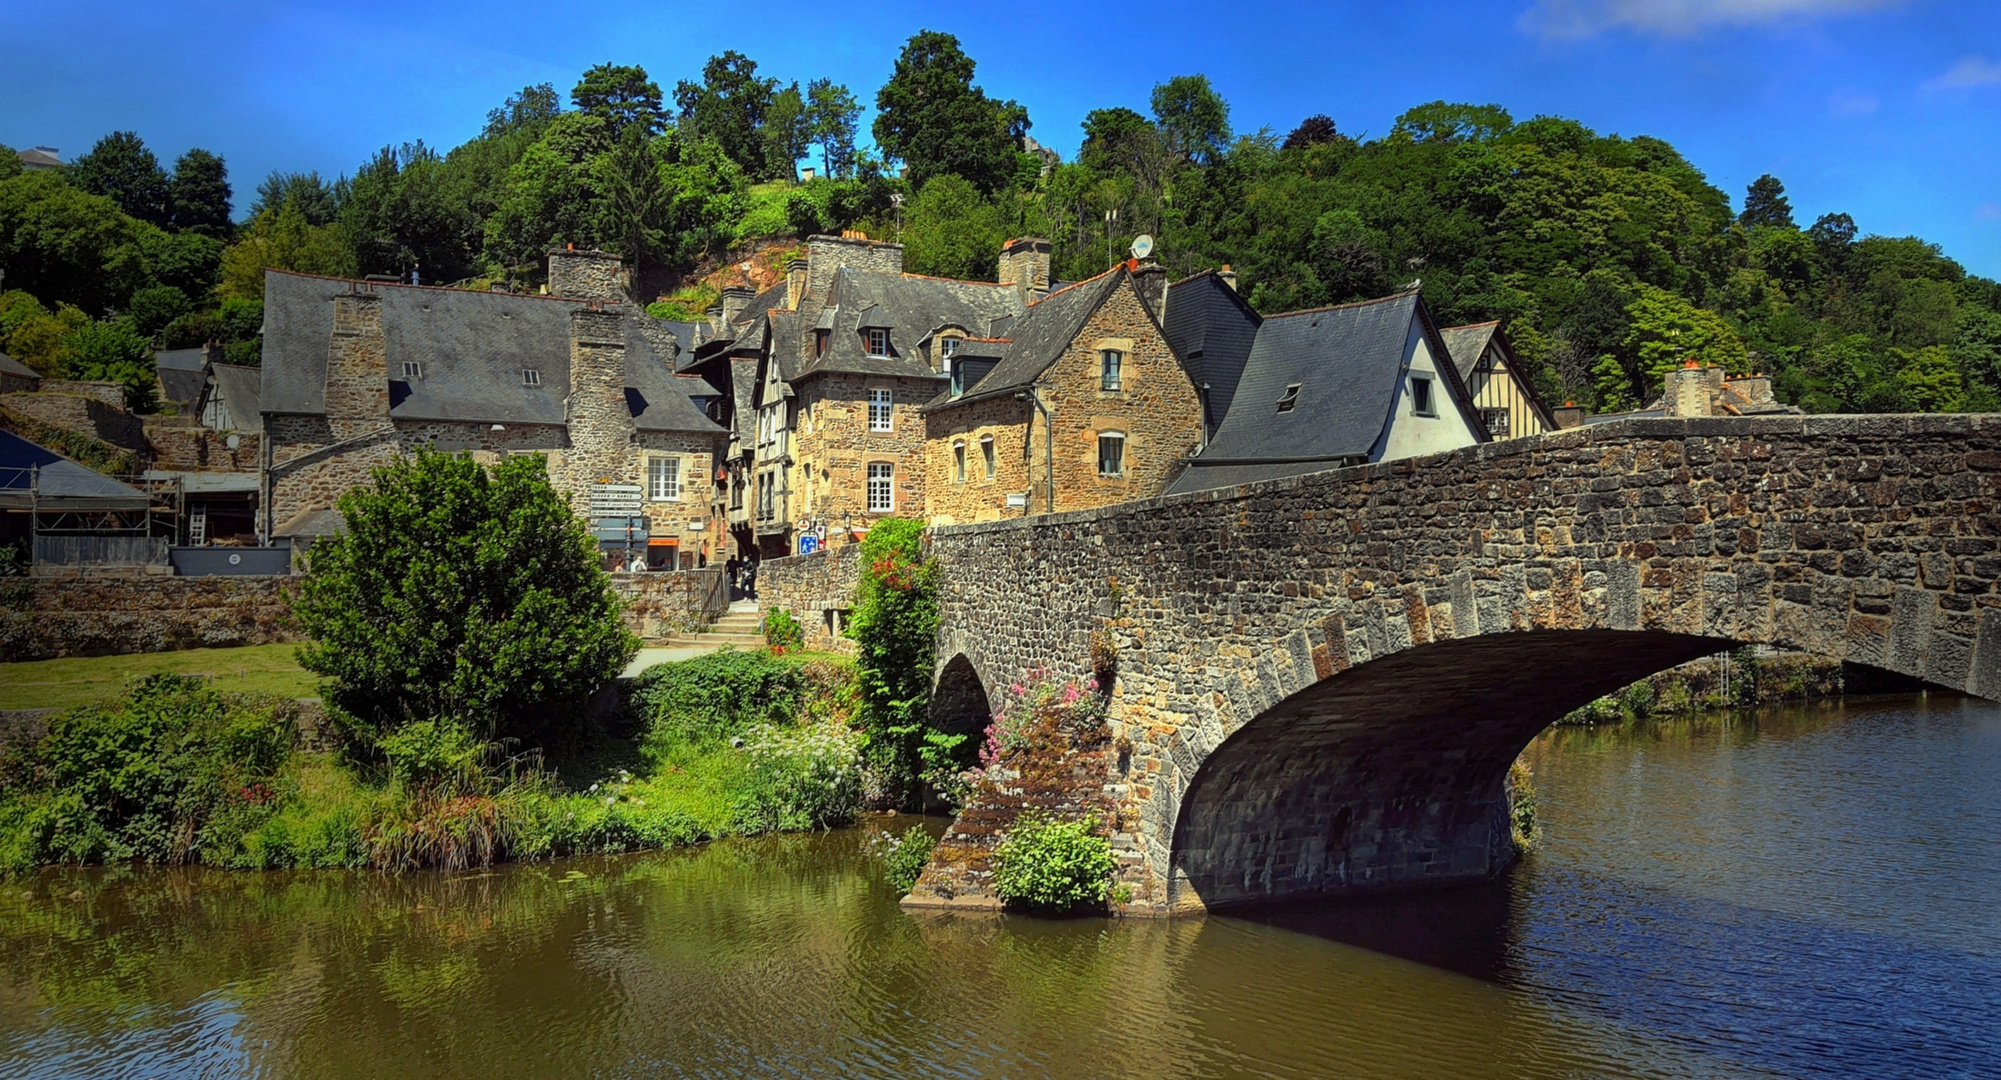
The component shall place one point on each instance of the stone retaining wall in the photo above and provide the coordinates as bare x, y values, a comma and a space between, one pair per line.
659, 603
817, 589
107, 614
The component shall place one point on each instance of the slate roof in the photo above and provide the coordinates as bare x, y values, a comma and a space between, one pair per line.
1039, 337
911, 307
240, 387
1211, 328
471, 348
40, 157
11, 366
180, 374
1347, 361
33, 475
1466, 343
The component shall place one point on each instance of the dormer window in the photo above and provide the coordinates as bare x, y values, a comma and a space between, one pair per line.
531, 377
878, 341
412, 369
819, 343
1288, 399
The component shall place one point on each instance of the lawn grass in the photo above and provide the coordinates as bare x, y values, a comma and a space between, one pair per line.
80, 680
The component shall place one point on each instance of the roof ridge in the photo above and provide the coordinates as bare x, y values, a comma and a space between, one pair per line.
1340, 307
947, 280
446, 289
1470, 326
1075, 284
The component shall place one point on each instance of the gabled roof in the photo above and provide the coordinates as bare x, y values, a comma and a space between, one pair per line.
240, 390
11, 366
1347, 362
1467, 343
910, 307
32, 475
1040, 336
471, 348
1211, 328
180, 374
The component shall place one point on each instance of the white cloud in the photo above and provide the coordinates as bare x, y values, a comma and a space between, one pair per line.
1971, 71
1583, 18
1850, 103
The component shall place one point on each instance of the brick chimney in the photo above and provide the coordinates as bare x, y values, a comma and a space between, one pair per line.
1024, 263
1228, 277
587, 275
735, 299
795, 282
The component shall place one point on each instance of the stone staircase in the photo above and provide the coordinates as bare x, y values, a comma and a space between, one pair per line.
737, 628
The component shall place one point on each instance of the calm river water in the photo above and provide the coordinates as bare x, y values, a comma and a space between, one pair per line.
1812, 892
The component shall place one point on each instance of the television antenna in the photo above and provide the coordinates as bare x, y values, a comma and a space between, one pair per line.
1142, 246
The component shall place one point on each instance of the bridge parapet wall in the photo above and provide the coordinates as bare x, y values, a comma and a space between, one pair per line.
1875, 540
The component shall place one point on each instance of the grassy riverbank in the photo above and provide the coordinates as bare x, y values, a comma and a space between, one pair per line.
178, 771
1742, 678
84, 680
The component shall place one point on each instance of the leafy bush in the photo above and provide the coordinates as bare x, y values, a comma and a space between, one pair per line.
714, 697
895, 623
782, 631
460, 593
1521, 805
174, 773
1051, 866
805, 778
904, 857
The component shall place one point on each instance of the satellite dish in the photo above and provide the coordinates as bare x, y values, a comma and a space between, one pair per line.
1142, 246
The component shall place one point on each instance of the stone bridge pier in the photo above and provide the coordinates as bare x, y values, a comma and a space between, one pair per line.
1321, 681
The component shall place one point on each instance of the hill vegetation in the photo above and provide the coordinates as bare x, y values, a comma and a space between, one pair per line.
1609, 259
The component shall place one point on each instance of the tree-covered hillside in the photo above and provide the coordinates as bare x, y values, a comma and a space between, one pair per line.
1609, 259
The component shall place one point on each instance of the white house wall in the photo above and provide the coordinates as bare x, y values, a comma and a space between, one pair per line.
1411, 435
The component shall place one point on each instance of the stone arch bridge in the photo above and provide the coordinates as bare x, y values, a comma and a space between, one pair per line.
1321, 681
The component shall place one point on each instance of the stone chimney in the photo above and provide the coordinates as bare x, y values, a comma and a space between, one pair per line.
735, 299
212, 353
357, 385
1228, 277
599, 420
1151, 281
1568, 416
1024, 263
806, 175
795, 282
826, 254
1691, 390
587, 275
1756, 390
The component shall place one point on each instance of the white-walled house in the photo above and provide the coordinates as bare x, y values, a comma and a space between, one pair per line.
1345, 385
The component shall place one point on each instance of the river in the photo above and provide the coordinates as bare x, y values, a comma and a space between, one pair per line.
1803, 892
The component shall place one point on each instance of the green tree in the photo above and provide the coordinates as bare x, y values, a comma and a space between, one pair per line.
318, 200
1193, 116
832, 114
547, 198
1667, 330
10, 162
525, 111
620, 95
1931, 380
120, 168
188, 261
930, 116
728, 107
67, 246
1765, 205
1449, 122
32, 334
786, 134
112, 351
153, 308
460, 593
1315, 130
894, 624
282, 240
197, 195
950, 231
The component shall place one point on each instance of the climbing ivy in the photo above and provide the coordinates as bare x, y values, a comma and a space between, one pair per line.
895, 625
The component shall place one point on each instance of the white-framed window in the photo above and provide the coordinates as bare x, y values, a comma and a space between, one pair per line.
880, 401
878, 341
881, 487
1420, 396
1111, 454
663, 479
531, 377
959, 461
412, 369
1496, 421
987, 454
1110, 361
947, 347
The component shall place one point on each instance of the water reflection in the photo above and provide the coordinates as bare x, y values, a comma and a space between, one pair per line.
1806, 893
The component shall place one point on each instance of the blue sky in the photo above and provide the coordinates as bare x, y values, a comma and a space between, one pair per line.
1885, 109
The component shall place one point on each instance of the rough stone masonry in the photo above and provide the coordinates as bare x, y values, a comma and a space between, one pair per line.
1322, 680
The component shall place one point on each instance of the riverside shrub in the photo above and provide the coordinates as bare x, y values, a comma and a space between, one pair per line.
904, 857
714, 697
460, 593
1052, 867
894, 623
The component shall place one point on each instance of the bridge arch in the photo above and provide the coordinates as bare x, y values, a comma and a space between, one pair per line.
960, 704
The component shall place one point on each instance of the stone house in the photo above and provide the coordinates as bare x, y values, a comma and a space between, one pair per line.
16, 377
1081, 404
358, 372
1329, 387
1508, 403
